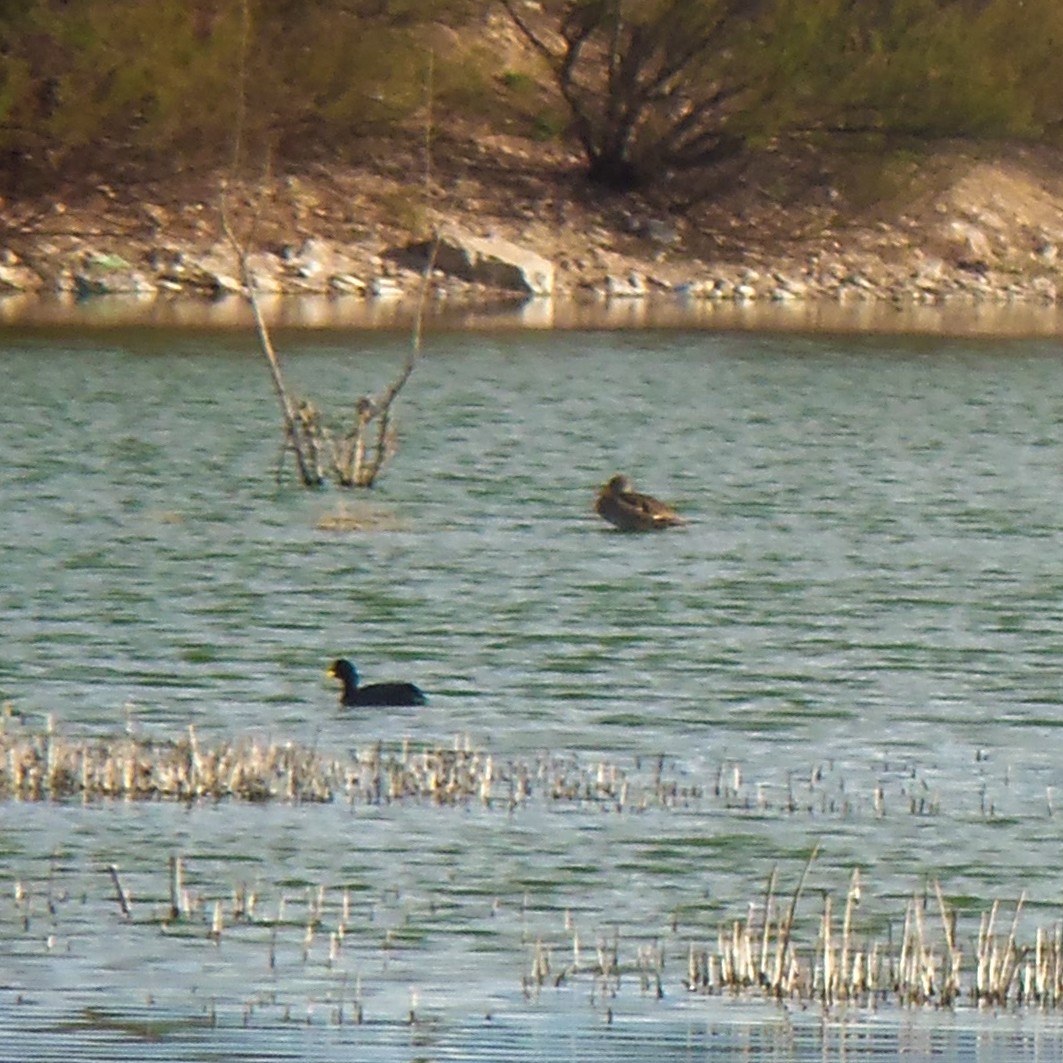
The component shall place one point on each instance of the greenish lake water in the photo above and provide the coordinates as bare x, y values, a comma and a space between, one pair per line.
863, 621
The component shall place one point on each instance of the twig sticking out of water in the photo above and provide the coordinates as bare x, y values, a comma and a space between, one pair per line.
540, 969
217, 922
244, 901
787, 926
176, 886
651, 967
120, 894
298, 437
998, 964
951, 982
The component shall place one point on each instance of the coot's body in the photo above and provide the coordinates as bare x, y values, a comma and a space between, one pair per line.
398, 693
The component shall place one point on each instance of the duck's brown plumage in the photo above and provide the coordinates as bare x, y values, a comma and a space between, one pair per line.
629, 510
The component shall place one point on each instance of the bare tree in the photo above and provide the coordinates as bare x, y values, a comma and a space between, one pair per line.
649, 83
354, 455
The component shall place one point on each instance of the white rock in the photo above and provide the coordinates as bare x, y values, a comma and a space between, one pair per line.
633, 286
491, 261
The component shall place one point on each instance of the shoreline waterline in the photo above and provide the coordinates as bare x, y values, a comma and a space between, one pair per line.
954, 318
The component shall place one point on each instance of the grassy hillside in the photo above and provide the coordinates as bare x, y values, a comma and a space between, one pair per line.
121, 91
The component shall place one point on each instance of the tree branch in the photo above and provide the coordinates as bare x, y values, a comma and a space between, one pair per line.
355, 463
298, 427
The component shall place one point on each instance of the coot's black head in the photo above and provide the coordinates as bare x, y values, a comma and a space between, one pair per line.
343, 669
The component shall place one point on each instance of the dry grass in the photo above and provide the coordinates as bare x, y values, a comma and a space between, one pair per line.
831, 951
47, 766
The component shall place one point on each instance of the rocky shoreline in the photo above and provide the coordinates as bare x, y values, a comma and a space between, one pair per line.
991, 237
320, 266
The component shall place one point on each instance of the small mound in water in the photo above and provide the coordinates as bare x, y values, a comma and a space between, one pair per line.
359, 520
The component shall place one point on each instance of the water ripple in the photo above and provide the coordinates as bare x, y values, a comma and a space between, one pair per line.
866, 601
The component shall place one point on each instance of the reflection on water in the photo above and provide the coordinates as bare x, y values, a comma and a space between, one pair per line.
661, 311
855, 645
772, 1035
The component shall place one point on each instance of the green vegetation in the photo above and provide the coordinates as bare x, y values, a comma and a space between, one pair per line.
644, 87
666, 84
121, 86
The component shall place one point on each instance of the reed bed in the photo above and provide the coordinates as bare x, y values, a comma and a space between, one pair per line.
777, 952
827, 960
840, 949
43, 764
47, 766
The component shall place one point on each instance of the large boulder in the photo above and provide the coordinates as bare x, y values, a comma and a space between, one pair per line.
487, 260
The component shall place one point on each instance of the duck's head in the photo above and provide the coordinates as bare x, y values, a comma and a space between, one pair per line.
619, 485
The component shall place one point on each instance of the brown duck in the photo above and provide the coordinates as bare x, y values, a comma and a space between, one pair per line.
627, 509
